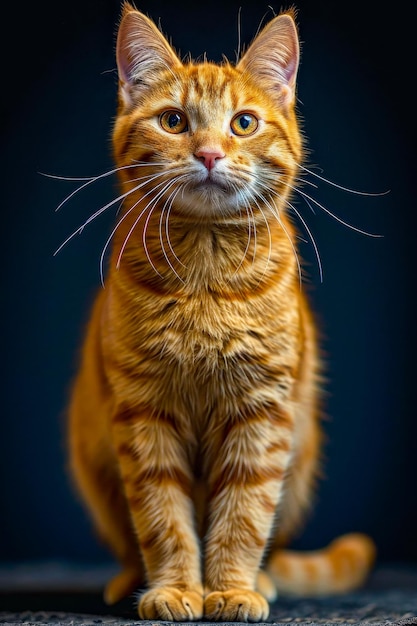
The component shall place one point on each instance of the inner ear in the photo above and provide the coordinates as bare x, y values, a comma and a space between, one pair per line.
141, 51
273, 58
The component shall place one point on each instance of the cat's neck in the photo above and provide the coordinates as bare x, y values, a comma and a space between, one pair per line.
241, 253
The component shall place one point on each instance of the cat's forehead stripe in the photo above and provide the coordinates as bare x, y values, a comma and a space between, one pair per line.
209, 82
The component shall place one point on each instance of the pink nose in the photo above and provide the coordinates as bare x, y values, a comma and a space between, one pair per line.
209, 157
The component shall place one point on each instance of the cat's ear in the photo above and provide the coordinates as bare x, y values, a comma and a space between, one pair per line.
273, 58
141, 52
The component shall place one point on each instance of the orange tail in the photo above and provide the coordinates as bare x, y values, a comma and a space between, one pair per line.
342, 566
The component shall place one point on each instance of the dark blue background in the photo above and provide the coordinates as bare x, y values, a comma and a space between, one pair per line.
59, 95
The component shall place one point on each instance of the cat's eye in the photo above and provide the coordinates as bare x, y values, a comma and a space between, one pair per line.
174, 122
244, 124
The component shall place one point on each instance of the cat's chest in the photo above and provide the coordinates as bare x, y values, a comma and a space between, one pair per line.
208, 329
216, 341
189, 352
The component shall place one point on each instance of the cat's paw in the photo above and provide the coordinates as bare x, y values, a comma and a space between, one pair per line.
236, 605
171, 604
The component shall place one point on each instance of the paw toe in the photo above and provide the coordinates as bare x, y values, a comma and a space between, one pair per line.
233, 605
169, 603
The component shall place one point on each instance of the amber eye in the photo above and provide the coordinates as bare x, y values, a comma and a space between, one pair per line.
244, 124
173, 122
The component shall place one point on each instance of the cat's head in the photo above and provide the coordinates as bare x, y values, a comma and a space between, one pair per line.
218, 138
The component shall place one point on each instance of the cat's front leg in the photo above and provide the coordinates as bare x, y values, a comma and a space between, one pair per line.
246, 486
157, 483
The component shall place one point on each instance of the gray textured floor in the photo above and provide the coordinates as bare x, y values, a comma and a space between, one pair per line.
57, 594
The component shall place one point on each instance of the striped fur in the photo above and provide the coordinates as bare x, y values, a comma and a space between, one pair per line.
194, 419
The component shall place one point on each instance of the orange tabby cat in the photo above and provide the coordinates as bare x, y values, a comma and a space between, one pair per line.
194, 419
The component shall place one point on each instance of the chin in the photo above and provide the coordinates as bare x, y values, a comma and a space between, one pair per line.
210, 202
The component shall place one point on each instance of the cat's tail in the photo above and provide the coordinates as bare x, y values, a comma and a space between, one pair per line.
340, 567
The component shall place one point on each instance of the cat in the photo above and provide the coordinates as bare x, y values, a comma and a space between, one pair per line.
195, 416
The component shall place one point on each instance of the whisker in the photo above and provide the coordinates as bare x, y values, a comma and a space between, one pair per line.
273, 193
119, 208
90, 181
305, 181
252, 218
307, 197
167, 259
335, 217
300, 217
92, 217
170, 171
173, 196
79, 178
152, 200
106, 245
169, 202
255, 235
269, 235
280, 222
239, 34
355, 191
92, 178
309, 205
145, 228
250, 215
70, 178
145, 247
262, 20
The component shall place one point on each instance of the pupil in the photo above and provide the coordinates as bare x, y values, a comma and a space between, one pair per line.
173, 120
245, 121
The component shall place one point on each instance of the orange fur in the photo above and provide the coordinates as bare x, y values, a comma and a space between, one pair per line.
194, 417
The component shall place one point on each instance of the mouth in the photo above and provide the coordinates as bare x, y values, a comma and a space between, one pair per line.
209, 184
209, 195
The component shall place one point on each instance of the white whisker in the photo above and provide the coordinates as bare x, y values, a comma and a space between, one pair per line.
169, 201
305, 181
335, 217
173, 196
250, 215
239, 34
269, 237
255, 235
300, 217
92, 180
106, 245
166, 171
355, 191
145, 228
152, 202
308, 203
92, 217
70, 178
275, 213
307, 230
97, 177
255, 240
145, 247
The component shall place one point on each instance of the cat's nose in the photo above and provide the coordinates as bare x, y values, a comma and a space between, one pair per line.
209, 157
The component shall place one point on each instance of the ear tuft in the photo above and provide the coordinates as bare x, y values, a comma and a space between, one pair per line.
141, 52
126, 7
273, 57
